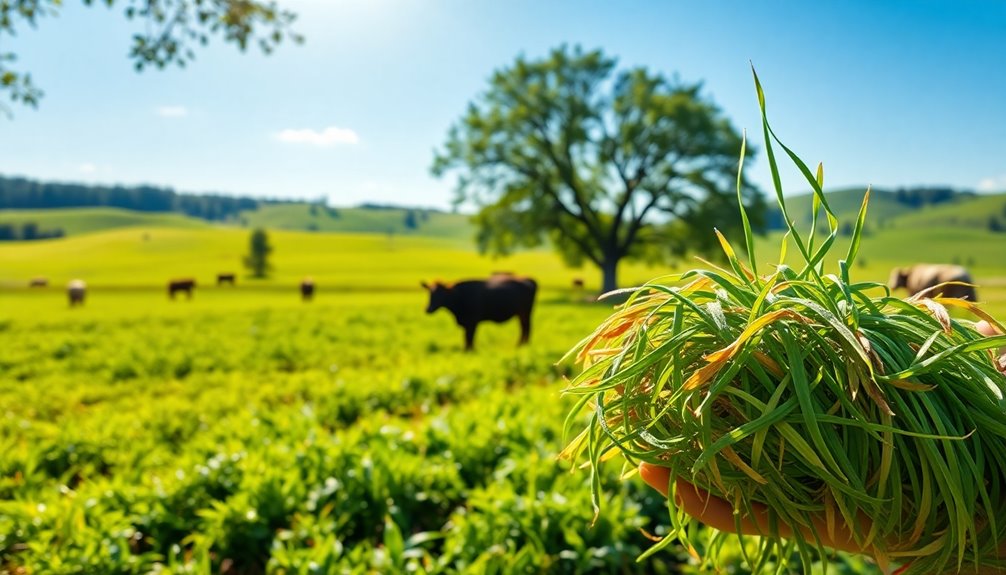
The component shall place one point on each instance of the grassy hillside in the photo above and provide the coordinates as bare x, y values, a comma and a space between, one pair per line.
974, 213
845, 203
306, 217
74, 221
965, 211
126, 257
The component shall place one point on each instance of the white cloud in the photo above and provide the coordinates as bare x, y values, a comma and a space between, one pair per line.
330, 136
87, 168
172, 111
993, 184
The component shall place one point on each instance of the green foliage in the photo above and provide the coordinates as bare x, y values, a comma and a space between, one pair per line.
259, 249
19, 193
564, 149
886, 414
29, 230
173, 421
170, 31
319, 440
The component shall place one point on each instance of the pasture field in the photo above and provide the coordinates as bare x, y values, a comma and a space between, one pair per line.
359, 220
252, 433
246, 432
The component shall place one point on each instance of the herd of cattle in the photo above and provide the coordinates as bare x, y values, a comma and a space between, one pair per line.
76, 289
506, 295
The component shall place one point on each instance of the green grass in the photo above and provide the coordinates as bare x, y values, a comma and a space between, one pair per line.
74, 221
305, 217
177, 419
148, 259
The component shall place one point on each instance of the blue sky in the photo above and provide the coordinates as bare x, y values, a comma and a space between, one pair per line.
885, 93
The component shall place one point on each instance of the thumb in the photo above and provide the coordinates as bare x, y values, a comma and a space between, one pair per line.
985, 328
655, 476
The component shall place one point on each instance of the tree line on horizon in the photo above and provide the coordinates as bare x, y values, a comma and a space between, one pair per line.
23, 193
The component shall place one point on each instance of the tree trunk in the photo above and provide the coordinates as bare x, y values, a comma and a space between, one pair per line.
609, 275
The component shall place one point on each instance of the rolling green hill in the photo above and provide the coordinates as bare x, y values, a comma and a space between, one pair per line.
293, 217
309, 217
971, 214
74, 221
964, 210
125, 258
845, 203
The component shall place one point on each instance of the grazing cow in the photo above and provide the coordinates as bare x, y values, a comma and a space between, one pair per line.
306, 289
75, 291
225, 279
497, 299
186, 285
921, 277
578, 283
38, 282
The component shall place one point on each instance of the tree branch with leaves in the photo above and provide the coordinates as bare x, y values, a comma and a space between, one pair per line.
171, 31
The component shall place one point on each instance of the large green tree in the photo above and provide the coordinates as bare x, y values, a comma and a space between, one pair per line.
605, 164
169, 32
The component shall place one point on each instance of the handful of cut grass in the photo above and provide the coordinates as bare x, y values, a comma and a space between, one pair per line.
810, 394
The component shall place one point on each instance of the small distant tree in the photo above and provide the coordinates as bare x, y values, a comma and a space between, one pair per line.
257, 260
410, 222
995, 225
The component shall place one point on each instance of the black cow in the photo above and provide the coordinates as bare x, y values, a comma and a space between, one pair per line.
186, 285
225, 279
497, 299
306, 289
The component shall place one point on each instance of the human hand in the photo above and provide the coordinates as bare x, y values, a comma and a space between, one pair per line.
718, 513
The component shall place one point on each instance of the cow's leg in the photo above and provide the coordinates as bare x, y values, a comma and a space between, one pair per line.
470, 337
189, 293
525, 328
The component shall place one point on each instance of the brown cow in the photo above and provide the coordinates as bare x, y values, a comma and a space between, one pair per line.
75, 291
578, 283
225, 279
497, 299
185, 285
921, 277
38, 282
306, 289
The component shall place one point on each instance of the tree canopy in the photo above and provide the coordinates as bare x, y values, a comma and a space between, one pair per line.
171, 31
605, 165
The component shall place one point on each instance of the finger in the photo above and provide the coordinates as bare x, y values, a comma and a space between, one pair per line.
718, 513
700, 504
985, 328
656, 477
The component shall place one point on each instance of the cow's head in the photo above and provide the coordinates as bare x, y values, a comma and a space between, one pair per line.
899, 278
439, 295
